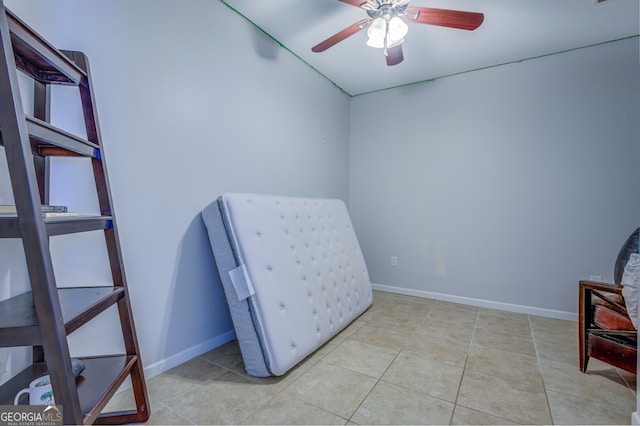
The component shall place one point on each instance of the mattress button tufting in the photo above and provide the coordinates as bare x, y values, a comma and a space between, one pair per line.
326, 264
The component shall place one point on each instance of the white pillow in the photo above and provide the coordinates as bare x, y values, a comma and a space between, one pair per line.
630, 289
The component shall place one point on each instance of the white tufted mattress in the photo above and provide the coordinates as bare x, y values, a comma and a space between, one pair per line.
292, 272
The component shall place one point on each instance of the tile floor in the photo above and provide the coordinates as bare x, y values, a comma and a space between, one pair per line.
407, 360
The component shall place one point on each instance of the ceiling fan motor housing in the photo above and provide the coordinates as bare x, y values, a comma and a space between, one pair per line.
385, 8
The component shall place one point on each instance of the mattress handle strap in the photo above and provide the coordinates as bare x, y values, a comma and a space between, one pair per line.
241, 282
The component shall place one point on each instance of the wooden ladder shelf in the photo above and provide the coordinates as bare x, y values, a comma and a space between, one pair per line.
45, 316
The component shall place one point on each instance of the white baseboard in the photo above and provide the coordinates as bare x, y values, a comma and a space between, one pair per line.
181, 357
174, 360
523, 309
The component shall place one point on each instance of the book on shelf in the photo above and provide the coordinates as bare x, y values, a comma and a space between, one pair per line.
46, 208
60, 214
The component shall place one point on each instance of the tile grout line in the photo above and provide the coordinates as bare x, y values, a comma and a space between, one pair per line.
173, 411
539, 337
379, 379
464, 367
535, 348
251, 379
242, 375
626, 382
282, 392
348, 419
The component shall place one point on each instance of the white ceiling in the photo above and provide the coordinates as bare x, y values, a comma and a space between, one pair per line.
513, 30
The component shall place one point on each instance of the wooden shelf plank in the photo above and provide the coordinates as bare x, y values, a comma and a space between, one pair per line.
100, 381
73, 224
48, 140
38, 58
80, 305
9, 390
19, 323
96, 385
10, 227
45, 135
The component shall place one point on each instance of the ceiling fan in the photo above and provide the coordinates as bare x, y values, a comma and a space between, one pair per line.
386, 26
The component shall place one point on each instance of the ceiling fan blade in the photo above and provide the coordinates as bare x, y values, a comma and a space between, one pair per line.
341, 35
445, 17
356, 3
394, 55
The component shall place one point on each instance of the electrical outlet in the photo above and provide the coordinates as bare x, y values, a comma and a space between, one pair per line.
323, 139
394, 261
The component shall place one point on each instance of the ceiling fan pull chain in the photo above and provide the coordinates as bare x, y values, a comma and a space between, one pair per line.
386, 37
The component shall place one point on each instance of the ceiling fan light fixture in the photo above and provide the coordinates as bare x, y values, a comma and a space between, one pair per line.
377, 32
393, 43
378, 44
397, 30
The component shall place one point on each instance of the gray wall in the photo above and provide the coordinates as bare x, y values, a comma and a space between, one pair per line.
505, 185
193, 102
501, 187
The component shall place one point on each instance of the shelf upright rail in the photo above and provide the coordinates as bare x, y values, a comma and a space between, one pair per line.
44, 317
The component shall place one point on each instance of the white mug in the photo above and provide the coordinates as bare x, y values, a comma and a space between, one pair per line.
40, 392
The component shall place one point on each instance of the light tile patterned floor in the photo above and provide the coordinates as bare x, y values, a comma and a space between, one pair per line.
407, 360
